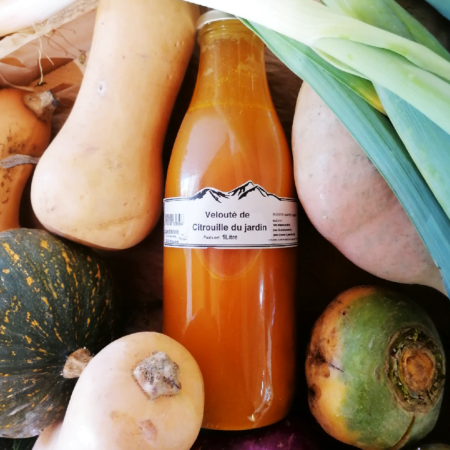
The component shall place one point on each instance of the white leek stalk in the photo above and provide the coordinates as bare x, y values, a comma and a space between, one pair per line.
415, 73
16, 15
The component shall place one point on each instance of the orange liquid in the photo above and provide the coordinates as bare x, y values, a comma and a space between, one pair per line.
233, 309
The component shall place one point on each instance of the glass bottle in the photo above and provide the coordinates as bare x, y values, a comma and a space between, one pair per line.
228, 292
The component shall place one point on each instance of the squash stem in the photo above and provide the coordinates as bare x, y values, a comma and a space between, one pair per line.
415, 368
158, 375
76, 363
43, 104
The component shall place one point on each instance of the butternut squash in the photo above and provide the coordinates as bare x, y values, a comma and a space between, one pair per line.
100, 182
350, 203
48, 438
144, 391
25, 126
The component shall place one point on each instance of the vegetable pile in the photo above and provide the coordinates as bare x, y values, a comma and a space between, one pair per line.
371, 148
345, 60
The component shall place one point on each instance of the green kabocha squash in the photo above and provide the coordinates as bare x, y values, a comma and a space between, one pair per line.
57, 307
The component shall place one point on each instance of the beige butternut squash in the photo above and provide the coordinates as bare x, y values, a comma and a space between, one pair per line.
48, 438
25, 126
350, 203
100, 182
144, 391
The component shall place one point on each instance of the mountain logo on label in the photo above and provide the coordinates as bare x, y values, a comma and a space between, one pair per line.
246, 190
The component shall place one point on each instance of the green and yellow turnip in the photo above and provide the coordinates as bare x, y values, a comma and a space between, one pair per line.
375, 370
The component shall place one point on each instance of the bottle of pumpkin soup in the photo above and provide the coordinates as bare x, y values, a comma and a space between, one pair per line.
231, 232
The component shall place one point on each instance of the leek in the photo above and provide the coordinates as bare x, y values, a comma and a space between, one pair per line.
16, 15
412, 71
428, 145
390, 16
375, 134
443, 6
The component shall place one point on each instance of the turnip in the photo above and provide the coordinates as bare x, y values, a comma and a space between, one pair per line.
375, 370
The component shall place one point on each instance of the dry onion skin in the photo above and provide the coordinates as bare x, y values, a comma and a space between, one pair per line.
143, 391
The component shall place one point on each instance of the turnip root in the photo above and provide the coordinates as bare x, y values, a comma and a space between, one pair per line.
350, 203
142, 392
375, 370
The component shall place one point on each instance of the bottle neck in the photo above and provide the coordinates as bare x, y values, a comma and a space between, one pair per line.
231, 68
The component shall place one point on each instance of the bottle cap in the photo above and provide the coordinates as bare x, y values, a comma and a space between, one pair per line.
213, 16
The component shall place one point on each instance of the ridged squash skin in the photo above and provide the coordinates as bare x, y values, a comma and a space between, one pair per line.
375, 362
101, 180
23, 133
55, 298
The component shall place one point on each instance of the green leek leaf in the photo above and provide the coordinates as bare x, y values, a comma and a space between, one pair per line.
360, 86
428, 144
425, 91
443, 6
389, 16
410, 70
376, 135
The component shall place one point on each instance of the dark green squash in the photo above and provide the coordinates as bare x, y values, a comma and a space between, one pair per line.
56, 297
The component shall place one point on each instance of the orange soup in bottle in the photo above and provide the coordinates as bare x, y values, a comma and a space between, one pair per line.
230, 234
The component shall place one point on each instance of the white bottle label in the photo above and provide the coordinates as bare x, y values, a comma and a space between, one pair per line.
246, 217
